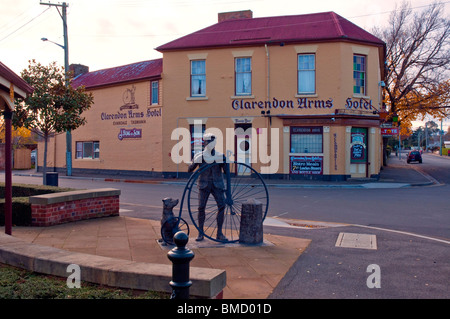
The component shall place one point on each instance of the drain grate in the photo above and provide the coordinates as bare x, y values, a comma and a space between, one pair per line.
351, 240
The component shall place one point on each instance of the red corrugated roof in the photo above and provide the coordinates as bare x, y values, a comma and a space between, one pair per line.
326, 26
126, 73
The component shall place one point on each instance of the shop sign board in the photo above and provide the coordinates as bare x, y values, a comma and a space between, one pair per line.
306, 165
129, 133
301, 103
389, 131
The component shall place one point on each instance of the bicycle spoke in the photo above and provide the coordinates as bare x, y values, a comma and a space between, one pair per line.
247, 193
234, 223
244, 183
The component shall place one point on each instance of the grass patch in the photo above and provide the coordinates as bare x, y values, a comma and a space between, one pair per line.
16, 283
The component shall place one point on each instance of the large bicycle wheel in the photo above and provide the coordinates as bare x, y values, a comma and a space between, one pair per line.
244, 183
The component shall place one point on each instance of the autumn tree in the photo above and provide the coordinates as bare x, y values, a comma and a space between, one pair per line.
417, 58
19, 135
53, 107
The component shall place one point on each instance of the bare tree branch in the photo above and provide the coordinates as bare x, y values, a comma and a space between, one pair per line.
418, 56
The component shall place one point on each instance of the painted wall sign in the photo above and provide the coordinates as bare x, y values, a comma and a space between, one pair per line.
129, 133
335, 151
129, 113
129, 98
307, 165
154, 112
302, 103
306, 129
120, 118
362, 104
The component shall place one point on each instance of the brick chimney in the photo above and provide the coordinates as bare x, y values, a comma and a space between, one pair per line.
246, 14
78, 69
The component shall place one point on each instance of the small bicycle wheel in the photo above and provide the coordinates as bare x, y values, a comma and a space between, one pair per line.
244, 183
171, 226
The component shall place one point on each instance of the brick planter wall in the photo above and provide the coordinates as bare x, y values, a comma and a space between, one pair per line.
59, 208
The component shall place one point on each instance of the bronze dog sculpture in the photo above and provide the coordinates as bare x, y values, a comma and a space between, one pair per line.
168, 228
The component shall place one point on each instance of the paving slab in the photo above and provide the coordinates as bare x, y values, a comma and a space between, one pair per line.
352, 240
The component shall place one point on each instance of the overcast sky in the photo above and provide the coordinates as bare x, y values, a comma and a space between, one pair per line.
109, 33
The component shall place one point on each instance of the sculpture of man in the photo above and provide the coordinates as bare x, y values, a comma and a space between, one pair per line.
210, 181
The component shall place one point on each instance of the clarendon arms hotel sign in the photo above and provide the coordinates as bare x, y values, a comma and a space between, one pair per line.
301, 103
130, 116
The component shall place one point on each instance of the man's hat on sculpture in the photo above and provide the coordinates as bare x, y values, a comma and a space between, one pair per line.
209, 137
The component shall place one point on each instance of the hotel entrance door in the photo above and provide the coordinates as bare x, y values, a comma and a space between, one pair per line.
358, 152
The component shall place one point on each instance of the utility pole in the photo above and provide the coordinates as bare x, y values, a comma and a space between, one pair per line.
66, 70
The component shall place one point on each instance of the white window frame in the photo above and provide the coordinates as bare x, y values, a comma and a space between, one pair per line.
198, 76
154, 95
240, 89
80, 149
302, 71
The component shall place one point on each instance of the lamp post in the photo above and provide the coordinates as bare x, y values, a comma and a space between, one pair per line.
65, 47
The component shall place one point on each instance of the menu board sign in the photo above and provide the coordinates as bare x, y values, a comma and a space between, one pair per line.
306, 165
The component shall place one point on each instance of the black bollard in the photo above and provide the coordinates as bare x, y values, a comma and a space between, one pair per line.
180, 258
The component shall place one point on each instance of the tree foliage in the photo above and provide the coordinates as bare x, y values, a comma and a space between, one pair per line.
54, 107
417, 57
19, 135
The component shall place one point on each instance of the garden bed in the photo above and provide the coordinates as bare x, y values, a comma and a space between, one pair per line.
21, 207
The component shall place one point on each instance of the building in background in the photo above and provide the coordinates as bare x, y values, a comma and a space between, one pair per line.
123, 134
293, 96
315, 79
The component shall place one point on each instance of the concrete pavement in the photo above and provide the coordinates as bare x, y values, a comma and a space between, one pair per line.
251, 271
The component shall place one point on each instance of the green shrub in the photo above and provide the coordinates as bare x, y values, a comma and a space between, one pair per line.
21, 211
24, 190
21, 208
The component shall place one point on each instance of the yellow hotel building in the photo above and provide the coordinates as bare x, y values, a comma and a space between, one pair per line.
296, 97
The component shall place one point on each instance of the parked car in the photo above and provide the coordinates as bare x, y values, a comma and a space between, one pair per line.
414, 156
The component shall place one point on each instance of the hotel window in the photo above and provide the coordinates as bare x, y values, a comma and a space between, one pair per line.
359, 74
306, 73
88, 150
243, 76
155, 92
306, 139
198, 78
